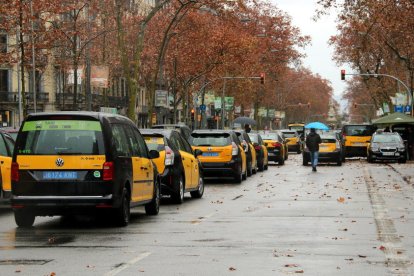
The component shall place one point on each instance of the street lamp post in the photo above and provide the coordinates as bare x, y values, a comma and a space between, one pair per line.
33, 60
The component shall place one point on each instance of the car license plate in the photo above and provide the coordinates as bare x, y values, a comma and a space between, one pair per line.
388, 153
359, 144
210, 153
56, 175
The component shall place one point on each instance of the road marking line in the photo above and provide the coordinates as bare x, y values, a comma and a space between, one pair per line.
387, 233
128, 264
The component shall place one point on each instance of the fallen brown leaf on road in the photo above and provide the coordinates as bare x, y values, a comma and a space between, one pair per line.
232, 268
341, 199
382, 248
291, 265
18, 271
362, 256
299, 271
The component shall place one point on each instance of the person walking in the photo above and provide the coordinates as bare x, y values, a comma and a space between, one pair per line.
312, 142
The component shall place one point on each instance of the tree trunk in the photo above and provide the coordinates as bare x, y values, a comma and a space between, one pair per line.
22, 63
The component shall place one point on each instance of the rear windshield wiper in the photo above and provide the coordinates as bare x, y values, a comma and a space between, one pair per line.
70, 153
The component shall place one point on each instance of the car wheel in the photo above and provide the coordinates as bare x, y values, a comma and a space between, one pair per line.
369, 159
249, 169
24, 218
200, 191
282, 162
178, 195
402, 161
305, 162
261, 167
339, 162
153, 208
266, 166
122, 213
239, 175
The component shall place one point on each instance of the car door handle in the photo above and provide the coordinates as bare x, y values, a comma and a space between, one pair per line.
183, 158
144, 168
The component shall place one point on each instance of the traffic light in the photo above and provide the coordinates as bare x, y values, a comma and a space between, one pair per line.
342, 74
192, 114
262, 78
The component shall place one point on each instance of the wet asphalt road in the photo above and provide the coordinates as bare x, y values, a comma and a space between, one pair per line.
351, 220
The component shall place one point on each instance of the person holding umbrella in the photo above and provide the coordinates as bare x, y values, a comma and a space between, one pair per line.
312, 142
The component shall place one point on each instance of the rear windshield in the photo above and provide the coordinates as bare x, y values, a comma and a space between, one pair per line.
270, 136
254, 137
289, 134
359, 130
210, 139
51, 137
386, 139
154, 142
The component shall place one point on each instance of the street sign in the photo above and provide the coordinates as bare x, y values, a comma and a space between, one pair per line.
203, 107
398, 108
407, 109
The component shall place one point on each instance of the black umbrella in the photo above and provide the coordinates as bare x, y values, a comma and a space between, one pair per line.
244, 120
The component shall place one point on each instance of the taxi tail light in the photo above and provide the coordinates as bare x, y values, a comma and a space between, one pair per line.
257, 147
15, 171
277, 145
234, 149
108, 171
169, 156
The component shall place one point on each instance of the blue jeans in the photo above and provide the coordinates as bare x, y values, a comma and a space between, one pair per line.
314, 158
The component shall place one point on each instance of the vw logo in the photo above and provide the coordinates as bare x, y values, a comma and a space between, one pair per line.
209, 148
59, 162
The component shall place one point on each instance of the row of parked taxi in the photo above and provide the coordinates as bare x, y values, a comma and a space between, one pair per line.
69, 163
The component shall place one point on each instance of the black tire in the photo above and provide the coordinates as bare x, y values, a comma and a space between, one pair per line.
200, 191
153, 208
339, 162
23, 218
261, 167
282, 162
266, 166
123, 212
178, 195
402, 161
369, 159
244, 177
305, 162
249, 169
238, 177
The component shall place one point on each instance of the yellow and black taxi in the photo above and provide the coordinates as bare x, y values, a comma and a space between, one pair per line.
276, 147
69, 163
222, 153
249, 150
356, 138
261, 150
6, 152
330, 150
293, 140
179, 169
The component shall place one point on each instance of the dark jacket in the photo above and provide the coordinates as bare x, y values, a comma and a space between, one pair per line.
312, 141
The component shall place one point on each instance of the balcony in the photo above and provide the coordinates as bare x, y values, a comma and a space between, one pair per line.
7, 97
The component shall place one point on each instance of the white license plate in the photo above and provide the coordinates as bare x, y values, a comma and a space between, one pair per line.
359, 144
388, 153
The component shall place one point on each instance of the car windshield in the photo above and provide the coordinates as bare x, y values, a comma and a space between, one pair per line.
210, 139
154, 142
386, 139
51, 137
359, 130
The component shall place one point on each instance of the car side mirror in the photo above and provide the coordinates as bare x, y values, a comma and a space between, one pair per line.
198, 152
256, 144
153, 154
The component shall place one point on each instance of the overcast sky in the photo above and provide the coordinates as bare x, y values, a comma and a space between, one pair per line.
319, 54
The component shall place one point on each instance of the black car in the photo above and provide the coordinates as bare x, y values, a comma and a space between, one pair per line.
184, 130
387, 146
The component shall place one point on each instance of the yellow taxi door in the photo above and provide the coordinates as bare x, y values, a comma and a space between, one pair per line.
194, 163
146, 169
6, 149
186, 158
